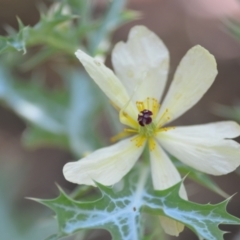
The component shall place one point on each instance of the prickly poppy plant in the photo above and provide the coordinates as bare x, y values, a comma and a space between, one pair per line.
132, 187
141, 68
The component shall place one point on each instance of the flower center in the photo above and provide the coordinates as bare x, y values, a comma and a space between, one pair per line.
144, 126
144, 117
147, 128
148, 110
147, 131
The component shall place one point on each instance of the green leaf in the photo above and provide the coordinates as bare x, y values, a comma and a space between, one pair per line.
202, 219
16, 41
37, 59
111, 20
233, 27
68, 26
34, 137
19, 223
38, 106
199, 177
81, 106
50, 30
130, 15
229, 112
84, 104
55, 117
121, 212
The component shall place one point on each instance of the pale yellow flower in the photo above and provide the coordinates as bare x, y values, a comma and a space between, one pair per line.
141, 66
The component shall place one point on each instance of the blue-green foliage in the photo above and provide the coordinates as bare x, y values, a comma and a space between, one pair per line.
122, 212
58, 117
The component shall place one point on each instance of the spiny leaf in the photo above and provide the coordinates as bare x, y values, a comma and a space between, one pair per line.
66, 25
121, 212
202, 219
15, 42
199, 177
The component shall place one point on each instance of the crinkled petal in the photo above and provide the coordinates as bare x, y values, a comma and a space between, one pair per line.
106, 166
108, 82
194, 75
165, 175
142, 64
204, 147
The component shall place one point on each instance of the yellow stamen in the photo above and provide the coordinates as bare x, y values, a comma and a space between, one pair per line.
165, 129
125, 118
151, 144
150, 104
120, 136
139, 139
130, 130
163, 119
140, 106
155, 107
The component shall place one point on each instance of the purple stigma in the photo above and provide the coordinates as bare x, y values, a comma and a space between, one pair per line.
144, 117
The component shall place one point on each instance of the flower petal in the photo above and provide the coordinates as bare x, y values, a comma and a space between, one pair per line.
170, 226
194, 75
203, 147
107, 165
165, 175
142, 64
108, 82
215, 130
